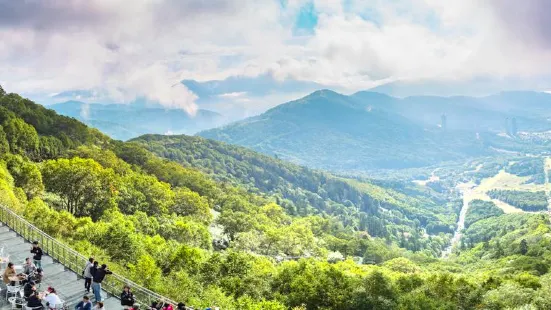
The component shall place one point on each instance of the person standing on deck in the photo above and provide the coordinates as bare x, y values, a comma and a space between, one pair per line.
87, 274
37, 251
97, 276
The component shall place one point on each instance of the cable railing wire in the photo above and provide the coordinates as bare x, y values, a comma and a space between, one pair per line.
74, 261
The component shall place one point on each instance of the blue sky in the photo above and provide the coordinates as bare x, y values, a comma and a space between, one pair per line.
306, 19
124, 49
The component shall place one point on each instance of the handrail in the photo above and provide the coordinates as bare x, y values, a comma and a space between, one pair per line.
73, 260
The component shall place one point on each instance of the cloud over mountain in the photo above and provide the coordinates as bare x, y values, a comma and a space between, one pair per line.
136, 49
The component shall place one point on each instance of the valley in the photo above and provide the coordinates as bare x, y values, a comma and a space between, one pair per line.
210, 220
276, 154
476, 190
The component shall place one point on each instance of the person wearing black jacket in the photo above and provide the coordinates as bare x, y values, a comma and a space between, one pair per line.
29, 289
127, 298
37, 251
34, 301
98, 274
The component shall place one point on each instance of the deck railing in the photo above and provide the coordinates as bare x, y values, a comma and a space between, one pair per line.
74, 261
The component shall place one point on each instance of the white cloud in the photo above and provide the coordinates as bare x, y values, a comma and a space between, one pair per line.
136, 49
233, 95
85, 111
130, 48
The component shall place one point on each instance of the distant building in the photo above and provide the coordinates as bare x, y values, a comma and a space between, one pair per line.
507, 131
443, 121
513, 126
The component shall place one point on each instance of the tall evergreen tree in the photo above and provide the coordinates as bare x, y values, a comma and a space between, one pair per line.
523, 247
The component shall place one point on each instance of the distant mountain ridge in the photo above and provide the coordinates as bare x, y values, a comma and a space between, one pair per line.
124, 122
331, 131
489, 113
371, 130
254, 86
477, 86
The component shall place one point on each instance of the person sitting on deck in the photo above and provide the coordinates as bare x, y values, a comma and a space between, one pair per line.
29, 289
51, 298
29, 268
99, 306
34, 301
9, 273
127, 298
157, 305
38, 275
85, 304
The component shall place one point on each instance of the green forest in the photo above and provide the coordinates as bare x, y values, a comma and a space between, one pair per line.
532, 167
345, 243
479, 210
526, 201
302, 191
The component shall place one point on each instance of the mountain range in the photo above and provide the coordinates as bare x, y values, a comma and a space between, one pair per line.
489, 113
370, 130
124, 122
366, 130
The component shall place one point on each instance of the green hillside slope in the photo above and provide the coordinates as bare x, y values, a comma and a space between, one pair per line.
304, 191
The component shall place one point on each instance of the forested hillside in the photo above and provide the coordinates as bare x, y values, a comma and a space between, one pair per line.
479, 210
532, 167
527, 201
369, 131
153, 220
303, 191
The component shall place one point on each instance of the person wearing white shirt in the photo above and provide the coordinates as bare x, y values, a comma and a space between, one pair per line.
52, 299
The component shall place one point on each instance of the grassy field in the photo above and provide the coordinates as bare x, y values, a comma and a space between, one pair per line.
503, 181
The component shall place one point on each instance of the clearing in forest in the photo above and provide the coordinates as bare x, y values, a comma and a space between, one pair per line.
503, 181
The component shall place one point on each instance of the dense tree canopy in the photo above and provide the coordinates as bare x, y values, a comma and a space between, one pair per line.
302, 191
84, 186
527, 201
479, 210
